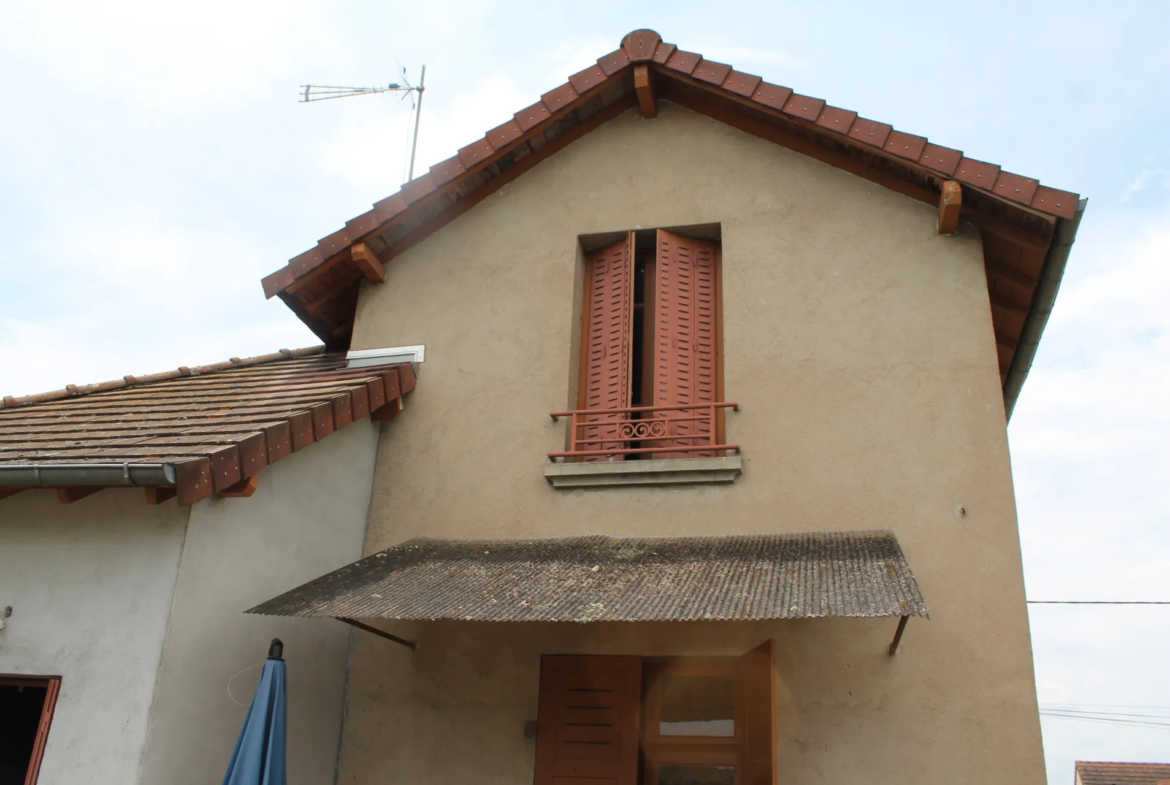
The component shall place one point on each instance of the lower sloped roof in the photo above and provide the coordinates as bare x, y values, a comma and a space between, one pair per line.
216, 425
1110, 773
601, 578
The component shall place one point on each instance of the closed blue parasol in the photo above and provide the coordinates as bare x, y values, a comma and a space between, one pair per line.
259, 757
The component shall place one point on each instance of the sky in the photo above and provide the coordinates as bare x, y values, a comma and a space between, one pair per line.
155, 164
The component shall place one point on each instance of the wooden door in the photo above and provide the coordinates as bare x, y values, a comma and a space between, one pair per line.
757, 674
588, 720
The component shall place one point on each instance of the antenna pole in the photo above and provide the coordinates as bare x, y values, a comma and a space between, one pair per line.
417, 113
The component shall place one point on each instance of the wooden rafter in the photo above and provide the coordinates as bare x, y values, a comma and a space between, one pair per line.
242, 489
367, 261
70, 495
950, 204
645, 90
160, 494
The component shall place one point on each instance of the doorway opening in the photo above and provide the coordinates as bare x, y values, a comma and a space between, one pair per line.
26, 708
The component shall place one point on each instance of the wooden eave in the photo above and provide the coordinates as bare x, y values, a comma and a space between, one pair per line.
1017, 217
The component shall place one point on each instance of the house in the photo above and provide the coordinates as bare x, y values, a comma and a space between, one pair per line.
707, 480
1101, 773
125, 657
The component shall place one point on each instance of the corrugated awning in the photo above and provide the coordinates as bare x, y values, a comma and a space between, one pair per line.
599, 578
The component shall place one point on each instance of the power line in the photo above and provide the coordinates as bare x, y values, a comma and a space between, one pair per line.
1107, 720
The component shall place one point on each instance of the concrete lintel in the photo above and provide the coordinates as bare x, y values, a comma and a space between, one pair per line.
667, 471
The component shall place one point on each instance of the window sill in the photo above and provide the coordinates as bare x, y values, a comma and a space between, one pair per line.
670, 471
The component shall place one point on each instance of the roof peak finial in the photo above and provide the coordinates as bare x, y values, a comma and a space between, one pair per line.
640, 44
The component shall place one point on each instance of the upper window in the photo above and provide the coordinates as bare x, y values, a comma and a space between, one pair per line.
651, 346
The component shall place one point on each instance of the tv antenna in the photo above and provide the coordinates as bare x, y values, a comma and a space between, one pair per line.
311, 93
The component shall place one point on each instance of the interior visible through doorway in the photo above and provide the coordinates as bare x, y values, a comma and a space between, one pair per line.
22, 704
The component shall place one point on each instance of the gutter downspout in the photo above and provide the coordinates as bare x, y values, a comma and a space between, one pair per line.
53, 475
1050, 279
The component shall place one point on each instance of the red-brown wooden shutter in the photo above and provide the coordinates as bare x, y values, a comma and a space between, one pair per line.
588, 721
53, 689
686, 358
757, 673
607, 344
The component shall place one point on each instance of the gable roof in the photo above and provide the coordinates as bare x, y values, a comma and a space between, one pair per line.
1027, 228
1105, 773
194, 431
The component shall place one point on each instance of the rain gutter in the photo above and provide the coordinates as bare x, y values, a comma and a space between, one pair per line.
82, 474
1050, 277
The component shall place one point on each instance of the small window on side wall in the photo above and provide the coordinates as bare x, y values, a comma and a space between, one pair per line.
651, 348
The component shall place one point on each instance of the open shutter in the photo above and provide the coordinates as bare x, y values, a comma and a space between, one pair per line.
686, 337
587, 726
53, 689
608, 343
757, 674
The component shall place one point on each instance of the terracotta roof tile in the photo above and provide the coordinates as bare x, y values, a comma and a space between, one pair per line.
333, 243
224, 422
446, 171
839, 120
390, 207
418, 188
683, 61
710, 71
804, 107
363, 224
584, 81
640, 45
503, 135
532, 116
1107, 773
559, 98
741, 83
663, 52
978, 173
941, 159
613, 62
772, 95
1014, 187
476, 152
1051, 200
905, 145
870, 132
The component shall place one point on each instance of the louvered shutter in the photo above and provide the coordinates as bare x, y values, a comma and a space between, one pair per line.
588, 721
686, 362
757, 673
608, 343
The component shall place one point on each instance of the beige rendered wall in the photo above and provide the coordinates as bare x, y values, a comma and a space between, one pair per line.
859, 343
307, 518
90, 585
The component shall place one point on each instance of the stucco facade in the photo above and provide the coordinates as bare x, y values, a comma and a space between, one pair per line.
140, 610
91, 587
859, 344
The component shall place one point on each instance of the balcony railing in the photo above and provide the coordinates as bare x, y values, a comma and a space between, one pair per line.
654, 431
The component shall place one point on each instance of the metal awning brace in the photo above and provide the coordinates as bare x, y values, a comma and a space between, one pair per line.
858, 574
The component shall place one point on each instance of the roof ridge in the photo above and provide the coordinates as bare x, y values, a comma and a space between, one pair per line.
75, 391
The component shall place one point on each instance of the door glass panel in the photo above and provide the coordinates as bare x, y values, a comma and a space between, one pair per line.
696, 775
697, 706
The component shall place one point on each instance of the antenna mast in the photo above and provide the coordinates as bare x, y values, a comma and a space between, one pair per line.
311, 93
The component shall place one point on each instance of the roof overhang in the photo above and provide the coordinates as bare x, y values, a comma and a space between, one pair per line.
1020, 220
624, 579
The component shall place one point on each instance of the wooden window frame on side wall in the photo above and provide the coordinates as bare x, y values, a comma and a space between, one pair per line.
52, 687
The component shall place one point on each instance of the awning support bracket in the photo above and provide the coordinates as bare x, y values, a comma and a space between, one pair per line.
381, 633
898, 635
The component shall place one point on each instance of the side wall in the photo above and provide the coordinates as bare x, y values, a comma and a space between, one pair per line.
90, 585
859, 343
307, 517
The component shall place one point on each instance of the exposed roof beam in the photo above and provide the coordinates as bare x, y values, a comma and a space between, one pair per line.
241, 489
645, 90
70, 495
950, 203
367, 261
160, 494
